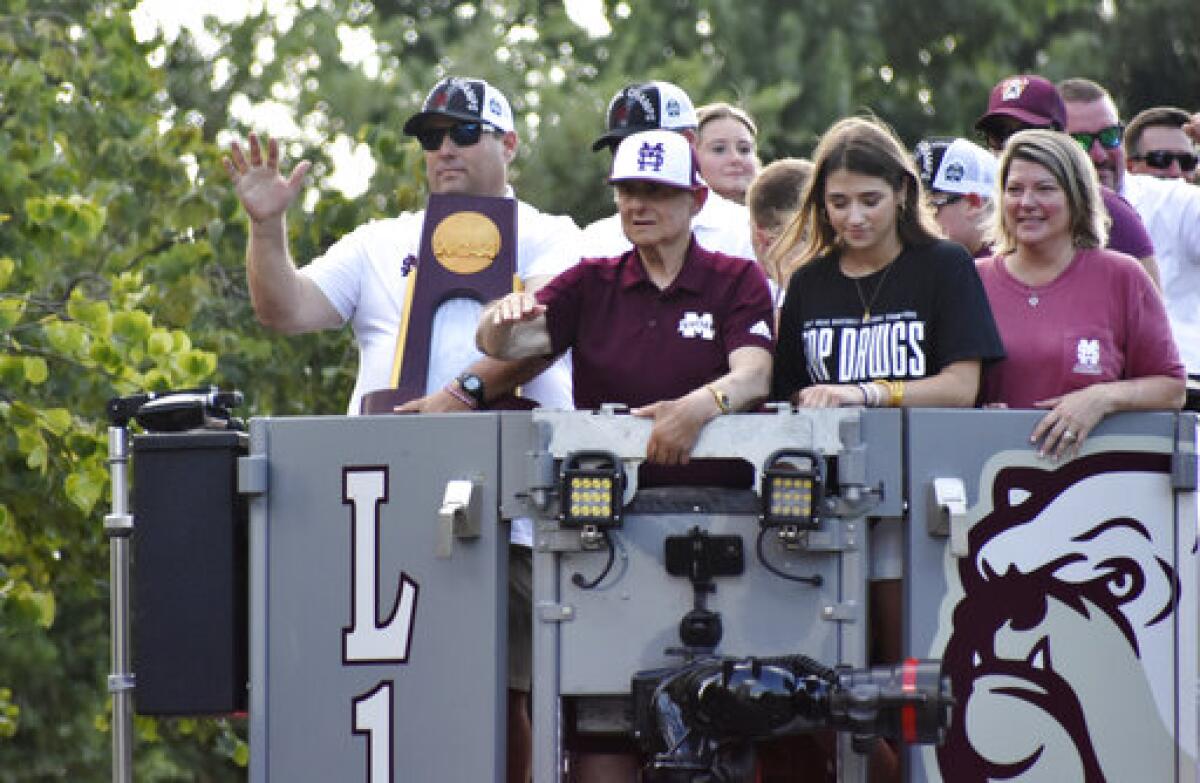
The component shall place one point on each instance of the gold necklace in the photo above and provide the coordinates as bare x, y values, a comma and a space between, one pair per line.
868, 304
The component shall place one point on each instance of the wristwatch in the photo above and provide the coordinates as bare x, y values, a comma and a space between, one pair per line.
472, 384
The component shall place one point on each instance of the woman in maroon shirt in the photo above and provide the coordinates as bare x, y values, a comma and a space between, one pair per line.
1084, 329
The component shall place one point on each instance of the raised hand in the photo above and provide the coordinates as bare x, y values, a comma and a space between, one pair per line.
262, 189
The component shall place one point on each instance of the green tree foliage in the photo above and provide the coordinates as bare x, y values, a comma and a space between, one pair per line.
93, 195
121, 243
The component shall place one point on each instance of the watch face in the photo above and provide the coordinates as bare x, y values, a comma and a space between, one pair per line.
472, 385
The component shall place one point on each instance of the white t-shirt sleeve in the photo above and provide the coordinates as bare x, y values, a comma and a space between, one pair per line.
548, 245
604, 238
341, 270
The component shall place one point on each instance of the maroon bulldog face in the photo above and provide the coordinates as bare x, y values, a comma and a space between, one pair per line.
1061, 648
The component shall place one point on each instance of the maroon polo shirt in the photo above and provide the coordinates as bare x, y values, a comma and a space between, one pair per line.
635, 344
1126, 232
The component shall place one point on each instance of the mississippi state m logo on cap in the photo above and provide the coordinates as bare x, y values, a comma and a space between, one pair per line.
650, 157
1013, 88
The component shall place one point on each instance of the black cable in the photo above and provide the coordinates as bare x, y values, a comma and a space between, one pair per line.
803, 666
578, 579
816, 580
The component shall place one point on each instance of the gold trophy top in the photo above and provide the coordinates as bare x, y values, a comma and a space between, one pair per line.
466, 242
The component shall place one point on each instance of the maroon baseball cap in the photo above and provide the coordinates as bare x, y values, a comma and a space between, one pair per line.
1030, 99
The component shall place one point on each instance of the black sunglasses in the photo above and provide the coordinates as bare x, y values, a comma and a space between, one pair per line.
464, 134
1161, 159
938, 200
1109, 138
997, 137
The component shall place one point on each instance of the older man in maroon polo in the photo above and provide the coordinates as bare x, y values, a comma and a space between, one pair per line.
677, 332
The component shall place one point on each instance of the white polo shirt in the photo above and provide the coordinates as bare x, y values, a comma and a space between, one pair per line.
721, 226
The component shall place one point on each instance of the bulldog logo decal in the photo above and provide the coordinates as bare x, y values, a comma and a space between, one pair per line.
1060, 625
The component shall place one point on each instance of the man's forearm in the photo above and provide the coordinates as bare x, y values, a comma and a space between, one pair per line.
271, 273
283, 299
749, 378
501, 377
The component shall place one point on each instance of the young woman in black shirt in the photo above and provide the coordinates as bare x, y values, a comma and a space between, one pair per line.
881, 310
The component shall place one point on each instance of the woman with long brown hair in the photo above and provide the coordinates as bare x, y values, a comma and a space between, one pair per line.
880, 309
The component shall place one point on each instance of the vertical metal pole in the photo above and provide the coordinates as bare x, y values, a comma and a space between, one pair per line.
118, 526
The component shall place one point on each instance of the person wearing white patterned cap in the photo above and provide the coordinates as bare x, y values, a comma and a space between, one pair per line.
680, 334
959, 179
465, 127
466, 130
677, 332
722, 225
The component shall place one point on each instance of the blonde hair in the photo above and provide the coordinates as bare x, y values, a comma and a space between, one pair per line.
721, 110
1070, 166
866, 146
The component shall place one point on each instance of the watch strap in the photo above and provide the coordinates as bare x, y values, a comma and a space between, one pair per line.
472, 386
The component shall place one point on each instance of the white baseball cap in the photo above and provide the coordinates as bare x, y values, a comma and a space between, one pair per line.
949, 165
658, 156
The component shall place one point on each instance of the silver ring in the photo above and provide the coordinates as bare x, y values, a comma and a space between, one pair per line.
1068, 435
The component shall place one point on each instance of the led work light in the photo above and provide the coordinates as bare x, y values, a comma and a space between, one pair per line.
791, 489
592, 490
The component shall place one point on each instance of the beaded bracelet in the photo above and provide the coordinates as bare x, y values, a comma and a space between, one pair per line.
458, 394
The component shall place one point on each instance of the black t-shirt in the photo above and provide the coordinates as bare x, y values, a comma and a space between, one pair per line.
927, 309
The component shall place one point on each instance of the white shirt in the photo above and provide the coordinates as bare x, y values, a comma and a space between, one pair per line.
722, 226
363, 276
1170, 208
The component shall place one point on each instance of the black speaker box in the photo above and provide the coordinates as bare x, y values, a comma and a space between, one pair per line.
189, 618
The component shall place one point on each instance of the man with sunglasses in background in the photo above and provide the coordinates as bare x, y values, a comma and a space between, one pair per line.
1157, 143
1028, 101
467, 131
1170, 209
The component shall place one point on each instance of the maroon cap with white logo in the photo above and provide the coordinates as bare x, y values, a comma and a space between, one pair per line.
1032, 100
